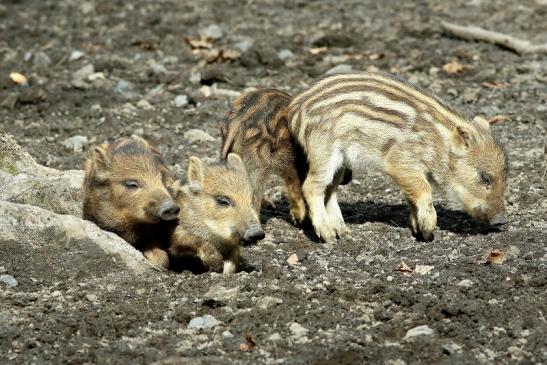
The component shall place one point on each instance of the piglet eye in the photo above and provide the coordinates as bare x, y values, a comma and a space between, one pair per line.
131, 184
486, 179
223, 201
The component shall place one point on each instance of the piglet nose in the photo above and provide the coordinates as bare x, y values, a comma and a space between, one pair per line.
168, 210
253, 233
499, 220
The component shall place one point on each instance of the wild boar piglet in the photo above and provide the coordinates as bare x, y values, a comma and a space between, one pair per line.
373, 120
256, 128
125, 192
216, 214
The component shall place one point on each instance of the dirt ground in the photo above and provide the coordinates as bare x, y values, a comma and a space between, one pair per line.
349, 303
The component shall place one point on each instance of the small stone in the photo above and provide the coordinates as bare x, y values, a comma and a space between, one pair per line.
2, 269
8, 280
157, 68
244, 45
41, 59
274, 337
339, 69
542, 107
452, 348
268, 302
285, 54
465, 283
220, 293
84, 72
212, 31
126, 89
144, 104
91, 297
297, 330
195, 76
205, 322
181, 101
197, 135
75, 143
423, 330
75, 55
227, 334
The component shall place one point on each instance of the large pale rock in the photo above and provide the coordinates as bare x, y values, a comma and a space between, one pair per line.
23, 180
31, 228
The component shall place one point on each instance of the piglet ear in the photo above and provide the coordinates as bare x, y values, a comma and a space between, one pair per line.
481, 123
98, 166
196, 173
463, 138
235, 162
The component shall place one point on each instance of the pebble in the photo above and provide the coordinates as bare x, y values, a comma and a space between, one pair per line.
465, 283
541, 108
41, 59
297, 330
2, 269
220, 293
452, 348
126, 89
157, 68
75, 143
244, 45
227, 334
8, 280
285, 54
91, 297
84, 72
181, 101
268, 302
205, 322
197, 135
274, 337
212, 31
75, 55
339, 69
423, 330
144, 104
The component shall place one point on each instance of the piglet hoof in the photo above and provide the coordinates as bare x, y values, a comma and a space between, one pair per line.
424, 236
298, 216
326, 234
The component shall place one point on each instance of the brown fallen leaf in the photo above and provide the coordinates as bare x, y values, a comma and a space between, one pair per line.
455, 67
293, 259
198, 42
18, 78
498, 119
496, 257
496, 85
249, 343
403, 267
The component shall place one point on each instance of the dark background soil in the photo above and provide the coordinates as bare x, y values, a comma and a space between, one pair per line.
355, 306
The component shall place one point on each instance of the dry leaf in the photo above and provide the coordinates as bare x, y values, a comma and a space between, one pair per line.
249, 343
497, 257
498, 119
293, 259
423, 269
198, 42
455, 67
496, 85
18, 78
318, 50
403, 267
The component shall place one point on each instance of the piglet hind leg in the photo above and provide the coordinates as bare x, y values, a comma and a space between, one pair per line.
423, 217
314, 191
294, 194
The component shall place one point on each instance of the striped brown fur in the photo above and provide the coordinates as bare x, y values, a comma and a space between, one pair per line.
125, 192
376, 120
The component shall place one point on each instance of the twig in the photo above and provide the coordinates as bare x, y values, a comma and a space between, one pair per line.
507, 41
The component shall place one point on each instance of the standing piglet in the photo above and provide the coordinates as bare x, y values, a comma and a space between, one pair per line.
256, 129
125, 192
216, 214
376, 120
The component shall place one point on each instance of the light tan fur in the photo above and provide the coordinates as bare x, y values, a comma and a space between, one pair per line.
125, 191
216, 214
371, 120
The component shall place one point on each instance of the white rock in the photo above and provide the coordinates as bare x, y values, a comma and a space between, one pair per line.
205, 322
465, 283
423, 330
297, 330
75, 143
144, 104
91, 297
220, 293
33, 228
181, 101
8, 280
268, 302
274, 337
244, 45
197, 135
285, 54
339, 69
212, 31
76, 55
84, 72
227, 334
